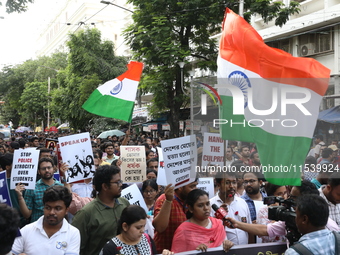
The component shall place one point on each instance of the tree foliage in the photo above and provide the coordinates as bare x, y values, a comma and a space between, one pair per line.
166, 32
16, 5
91, 62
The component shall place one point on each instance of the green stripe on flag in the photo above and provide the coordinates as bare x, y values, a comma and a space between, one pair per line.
114, 107
230, 130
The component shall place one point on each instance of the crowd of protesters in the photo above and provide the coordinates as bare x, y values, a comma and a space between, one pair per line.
177, 220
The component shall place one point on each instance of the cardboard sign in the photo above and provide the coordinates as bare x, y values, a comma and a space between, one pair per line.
161, 178
213, 150
180, 160
4, 193
133, 168
25, 167
76, 151
207, 184
134, 196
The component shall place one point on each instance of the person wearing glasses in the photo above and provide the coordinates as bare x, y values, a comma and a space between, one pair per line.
31, 204
235, 206
278, 228
252, 182
150, 192
97, 221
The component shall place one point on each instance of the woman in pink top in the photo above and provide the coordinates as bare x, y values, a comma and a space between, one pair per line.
200, 231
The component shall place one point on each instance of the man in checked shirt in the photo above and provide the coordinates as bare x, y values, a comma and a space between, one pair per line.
331, 193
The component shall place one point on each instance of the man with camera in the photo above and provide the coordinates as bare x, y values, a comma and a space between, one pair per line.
278, 228
311, 218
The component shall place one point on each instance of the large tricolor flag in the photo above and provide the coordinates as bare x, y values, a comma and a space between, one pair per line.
268, 97
116, 98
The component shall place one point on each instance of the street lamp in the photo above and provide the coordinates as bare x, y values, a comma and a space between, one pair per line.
107, 2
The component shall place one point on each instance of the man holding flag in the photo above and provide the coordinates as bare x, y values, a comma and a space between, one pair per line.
269, 98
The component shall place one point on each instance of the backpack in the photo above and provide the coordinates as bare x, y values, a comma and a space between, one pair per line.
302, 250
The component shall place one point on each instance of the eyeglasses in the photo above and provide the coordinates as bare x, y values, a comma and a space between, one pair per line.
250, 182
46, 168
120, 182
292, 197
149, 191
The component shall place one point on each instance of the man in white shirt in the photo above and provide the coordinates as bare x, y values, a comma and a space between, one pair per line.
236, 207
51, 234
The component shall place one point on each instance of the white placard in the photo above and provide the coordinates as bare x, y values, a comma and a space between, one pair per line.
76, 151
133, 168
180, 160
213, 150
25, 167
161, 178
207, 184
134, 196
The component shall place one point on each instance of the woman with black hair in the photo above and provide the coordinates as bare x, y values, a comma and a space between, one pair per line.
131, 238
200, 231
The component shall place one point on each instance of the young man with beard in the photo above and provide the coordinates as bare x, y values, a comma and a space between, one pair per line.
110, 156
31, 205
97, 221
245, 155
252, 182
331, 194
51, 232
236, 207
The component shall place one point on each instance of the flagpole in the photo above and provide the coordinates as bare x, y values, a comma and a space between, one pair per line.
191, 73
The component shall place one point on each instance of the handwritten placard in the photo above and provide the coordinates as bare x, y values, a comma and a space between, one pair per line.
133, 168
25, 167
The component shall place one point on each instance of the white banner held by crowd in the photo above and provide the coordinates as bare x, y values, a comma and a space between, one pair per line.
213, 150
180, 160
133, 168
134, 196
25, 167
76, 151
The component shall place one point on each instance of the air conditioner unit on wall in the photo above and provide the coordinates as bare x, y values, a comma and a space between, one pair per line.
307, 49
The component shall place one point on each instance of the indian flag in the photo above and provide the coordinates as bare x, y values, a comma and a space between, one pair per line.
116, 98
269, 98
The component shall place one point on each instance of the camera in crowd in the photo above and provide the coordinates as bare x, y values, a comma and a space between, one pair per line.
284, 212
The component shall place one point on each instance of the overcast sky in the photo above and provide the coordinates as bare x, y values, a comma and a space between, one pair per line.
19, 31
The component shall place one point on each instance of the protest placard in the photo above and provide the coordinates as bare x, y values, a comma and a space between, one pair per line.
180, 160
207, 184
25, 167
4, 193
76, 151
161, 178
213, 150
134, 196
133, 168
